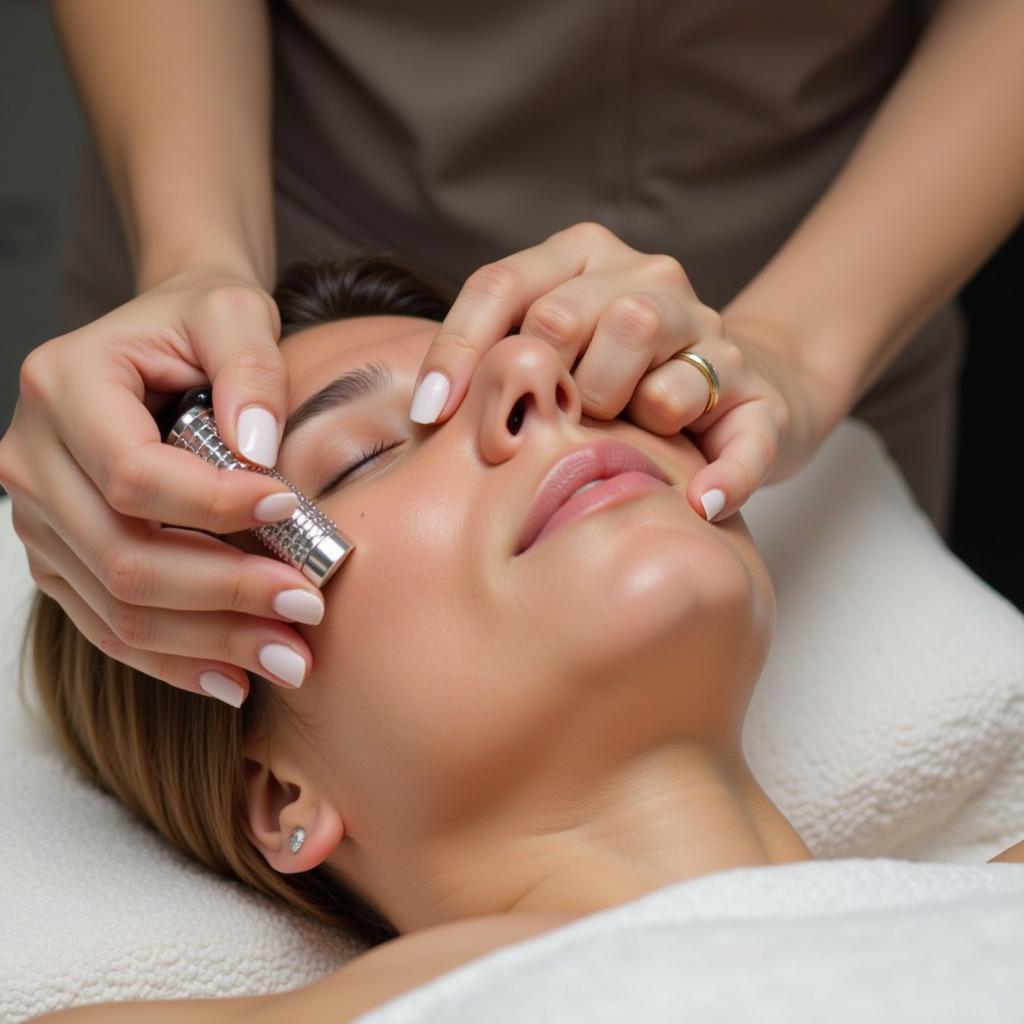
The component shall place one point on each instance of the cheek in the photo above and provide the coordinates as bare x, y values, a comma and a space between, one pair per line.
672, 618
398, 656
439, 668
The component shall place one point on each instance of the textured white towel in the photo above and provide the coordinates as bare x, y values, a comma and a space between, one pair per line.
852, 940
889, 718
887, 724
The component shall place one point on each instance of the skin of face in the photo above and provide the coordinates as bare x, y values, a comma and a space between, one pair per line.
457, 688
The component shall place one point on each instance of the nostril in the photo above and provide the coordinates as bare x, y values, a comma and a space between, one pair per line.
515, 417
518, 413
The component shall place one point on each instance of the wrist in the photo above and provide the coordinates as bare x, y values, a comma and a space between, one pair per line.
826, 395
209, 257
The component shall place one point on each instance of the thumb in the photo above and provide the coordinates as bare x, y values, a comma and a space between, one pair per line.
743, 445
236, 338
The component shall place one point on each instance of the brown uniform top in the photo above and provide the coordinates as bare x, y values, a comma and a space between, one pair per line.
457, 132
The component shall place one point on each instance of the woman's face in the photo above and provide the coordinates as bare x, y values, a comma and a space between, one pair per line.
451, 674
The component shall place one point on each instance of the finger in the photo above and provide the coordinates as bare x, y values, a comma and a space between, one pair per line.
668, 398
195, 675
740, 449
635, 331
173, 568
235, 335
567, 316
255, 645
676, 393
118, 445
493, 298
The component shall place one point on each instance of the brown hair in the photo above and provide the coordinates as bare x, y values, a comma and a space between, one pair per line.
175, 757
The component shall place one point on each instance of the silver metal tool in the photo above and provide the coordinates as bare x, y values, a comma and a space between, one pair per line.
308, 540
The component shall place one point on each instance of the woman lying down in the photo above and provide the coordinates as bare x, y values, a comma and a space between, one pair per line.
507, 727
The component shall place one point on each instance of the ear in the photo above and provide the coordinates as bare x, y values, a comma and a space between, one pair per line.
279, 799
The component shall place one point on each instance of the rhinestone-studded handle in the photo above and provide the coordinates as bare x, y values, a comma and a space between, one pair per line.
307, 540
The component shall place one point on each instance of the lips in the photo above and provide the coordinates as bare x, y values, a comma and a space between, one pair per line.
599, 460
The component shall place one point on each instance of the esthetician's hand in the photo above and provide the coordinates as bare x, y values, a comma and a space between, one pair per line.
91, 481
626, 312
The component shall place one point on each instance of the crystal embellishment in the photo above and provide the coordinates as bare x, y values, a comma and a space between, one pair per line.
308, 540
297, 837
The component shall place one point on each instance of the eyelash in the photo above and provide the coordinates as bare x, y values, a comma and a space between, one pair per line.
378, 449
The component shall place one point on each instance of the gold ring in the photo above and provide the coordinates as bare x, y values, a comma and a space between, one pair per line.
709, 375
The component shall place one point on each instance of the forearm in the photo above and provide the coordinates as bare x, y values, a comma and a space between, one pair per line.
161, 1011
931, 189
177, 93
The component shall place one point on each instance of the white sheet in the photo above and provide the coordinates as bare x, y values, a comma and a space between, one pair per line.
888, 723
851, 940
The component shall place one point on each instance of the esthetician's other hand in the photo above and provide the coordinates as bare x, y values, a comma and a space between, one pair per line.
91, 480
626, 312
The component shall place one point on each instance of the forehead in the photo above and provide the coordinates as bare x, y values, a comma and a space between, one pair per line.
316, 355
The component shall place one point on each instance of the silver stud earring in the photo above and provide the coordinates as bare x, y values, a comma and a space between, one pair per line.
296, 839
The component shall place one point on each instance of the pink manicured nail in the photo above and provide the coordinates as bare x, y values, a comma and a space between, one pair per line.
275, 507
300, 606
430, 397
713, 502
257, 435
218, 685
284, 663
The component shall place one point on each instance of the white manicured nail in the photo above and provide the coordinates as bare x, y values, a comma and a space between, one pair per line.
257, 435
430, 397
219, 686
284, 663
300, 605
275, 507
713, 502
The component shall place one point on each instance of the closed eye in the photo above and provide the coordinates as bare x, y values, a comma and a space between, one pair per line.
378, 449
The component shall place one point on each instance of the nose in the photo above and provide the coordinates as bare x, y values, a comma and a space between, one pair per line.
520, 387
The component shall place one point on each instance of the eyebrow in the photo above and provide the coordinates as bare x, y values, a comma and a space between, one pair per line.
369, 379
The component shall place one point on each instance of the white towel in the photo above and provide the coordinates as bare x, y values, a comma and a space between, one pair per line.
887, 724
852, 940
889, 717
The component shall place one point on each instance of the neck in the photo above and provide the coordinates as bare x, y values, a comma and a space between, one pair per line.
673, 813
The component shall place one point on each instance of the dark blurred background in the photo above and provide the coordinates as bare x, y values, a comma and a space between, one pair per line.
41, 134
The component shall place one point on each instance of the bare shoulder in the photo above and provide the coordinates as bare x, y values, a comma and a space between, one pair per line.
401, 964
1015, 854
358, 985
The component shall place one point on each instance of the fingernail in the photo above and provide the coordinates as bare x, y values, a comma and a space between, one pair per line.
219, 686
430, 397
300, 605
257, 435
276, 506
713, 502
284, 663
